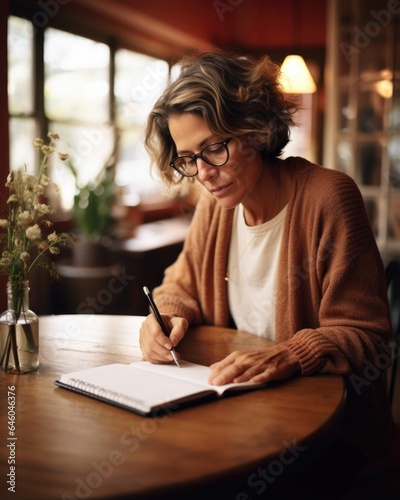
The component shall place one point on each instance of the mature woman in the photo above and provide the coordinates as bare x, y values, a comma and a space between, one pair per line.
278, 248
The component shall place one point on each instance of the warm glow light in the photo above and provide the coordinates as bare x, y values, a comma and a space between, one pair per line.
295, 76
384, 88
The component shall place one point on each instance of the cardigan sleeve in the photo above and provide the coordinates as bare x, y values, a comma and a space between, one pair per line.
340, 318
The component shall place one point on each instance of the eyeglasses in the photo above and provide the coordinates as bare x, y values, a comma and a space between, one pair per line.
215, 154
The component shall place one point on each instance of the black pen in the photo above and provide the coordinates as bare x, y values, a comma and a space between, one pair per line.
160, 320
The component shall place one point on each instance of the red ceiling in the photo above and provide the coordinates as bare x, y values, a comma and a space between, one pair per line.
168, 28
174, 26
252, 23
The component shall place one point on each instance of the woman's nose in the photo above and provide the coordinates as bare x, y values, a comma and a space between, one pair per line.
205, 171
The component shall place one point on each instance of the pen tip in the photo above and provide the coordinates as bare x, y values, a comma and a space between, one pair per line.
146, 290
175, 358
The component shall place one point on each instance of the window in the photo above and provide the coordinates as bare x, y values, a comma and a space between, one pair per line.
363, 132
76, 90
100, 113
23, 125
139, 80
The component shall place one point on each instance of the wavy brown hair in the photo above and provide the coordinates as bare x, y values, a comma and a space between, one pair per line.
236, 96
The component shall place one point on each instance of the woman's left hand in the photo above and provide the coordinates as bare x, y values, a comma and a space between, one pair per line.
261, 365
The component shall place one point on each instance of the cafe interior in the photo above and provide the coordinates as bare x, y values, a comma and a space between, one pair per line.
90, 71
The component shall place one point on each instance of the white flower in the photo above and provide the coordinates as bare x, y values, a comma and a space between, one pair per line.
13, 198
42, 209
4, 223
34, 232
52, 238
10, 179
25, 219
25, 256
47, 150
63, 156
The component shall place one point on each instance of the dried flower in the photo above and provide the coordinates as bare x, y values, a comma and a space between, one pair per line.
25, 256
24, 244
63, 156
53, 136
42, 209
33, 233
52, 238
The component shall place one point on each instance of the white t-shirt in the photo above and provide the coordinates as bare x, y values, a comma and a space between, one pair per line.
252, 273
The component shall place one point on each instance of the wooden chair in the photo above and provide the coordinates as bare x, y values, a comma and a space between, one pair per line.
393, 286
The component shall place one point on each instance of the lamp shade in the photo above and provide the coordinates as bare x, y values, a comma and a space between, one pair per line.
295, 76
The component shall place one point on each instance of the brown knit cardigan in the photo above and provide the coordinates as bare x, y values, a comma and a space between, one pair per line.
331, 307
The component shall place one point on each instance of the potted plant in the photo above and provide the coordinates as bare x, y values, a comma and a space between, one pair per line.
92, 217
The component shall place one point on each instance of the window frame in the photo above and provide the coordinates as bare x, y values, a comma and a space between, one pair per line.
38, 114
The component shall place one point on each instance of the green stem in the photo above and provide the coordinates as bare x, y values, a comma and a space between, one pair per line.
6, 353
11, 346
14, 347
29, 337
39, 256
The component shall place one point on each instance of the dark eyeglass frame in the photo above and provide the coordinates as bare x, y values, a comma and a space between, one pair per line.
200, 155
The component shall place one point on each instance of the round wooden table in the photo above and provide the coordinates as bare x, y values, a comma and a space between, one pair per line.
69, 446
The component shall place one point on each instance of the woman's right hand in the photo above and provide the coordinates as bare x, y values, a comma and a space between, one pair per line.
155, 346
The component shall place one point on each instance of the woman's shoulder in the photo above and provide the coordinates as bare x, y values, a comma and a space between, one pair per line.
323, 181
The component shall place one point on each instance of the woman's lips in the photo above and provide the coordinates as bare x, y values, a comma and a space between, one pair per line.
220, 190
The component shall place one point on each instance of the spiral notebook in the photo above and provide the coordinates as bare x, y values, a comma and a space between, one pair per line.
145, 388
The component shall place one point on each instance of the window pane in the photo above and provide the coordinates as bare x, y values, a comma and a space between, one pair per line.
395, 115
20, 66
76, 78
394, 218
22, 152
133, 172
372, 207
89, 149
344, 155
346, 21
369, 163
372, 38
371, 108
139, 81
345, 53
347, 110
394, 162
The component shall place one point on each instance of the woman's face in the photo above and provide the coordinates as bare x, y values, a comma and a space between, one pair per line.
231, 183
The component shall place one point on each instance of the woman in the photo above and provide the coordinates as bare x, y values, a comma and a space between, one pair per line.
279, 248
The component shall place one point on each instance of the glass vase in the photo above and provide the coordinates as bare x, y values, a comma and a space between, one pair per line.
19, 331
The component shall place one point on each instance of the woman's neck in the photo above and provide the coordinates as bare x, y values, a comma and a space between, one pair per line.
264, 203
